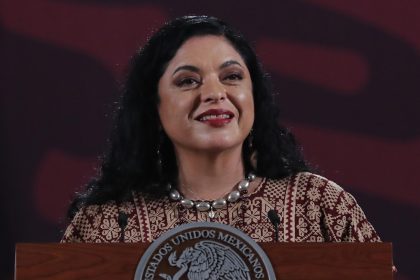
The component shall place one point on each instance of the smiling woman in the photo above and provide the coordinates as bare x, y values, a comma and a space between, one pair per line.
206, 109
196, 138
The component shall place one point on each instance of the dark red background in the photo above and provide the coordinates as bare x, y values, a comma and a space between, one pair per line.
346, 73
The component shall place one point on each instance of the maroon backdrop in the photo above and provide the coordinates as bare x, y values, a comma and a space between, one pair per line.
346, 73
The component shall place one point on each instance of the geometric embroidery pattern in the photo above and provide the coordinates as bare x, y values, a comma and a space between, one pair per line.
311, 209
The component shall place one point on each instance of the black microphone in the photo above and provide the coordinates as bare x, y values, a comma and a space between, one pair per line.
122, 222
275, 220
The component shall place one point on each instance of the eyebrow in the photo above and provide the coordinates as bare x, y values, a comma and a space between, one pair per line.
196, 70
229, 63
186, 67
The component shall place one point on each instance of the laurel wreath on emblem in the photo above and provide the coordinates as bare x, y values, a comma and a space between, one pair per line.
208, 260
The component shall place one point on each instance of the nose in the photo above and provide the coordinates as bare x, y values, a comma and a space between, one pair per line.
212, 91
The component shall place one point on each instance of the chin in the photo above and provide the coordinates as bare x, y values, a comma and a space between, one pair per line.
220, 145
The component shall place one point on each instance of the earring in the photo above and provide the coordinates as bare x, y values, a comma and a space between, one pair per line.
250, 140
159, 150
159, 156
252, 152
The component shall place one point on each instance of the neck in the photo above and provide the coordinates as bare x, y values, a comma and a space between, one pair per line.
209, 176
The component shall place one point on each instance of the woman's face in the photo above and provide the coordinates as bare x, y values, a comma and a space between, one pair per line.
206, 102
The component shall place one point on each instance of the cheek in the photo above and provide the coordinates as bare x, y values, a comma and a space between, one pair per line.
173, 110
245, 101
247, 107
250, 114
164, 110
166, 114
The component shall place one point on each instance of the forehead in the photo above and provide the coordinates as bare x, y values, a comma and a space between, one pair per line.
204, 50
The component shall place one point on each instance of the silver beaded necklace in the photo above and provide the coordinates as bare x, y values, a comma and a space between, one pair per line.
211, 206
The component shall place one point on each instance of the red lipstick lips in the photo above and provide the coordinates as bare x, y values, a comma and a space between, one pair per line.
215, 117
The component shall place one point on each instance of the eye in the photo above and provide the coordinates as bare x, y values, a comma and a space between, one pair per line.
235, 76
188, 82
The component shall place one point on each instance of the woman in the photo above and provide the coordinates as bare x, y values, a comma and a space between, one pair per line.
196, 139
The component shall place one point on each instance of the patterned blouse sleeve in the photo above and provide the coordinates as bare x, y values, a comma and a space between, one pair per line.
344, 219
94, 223
74, 231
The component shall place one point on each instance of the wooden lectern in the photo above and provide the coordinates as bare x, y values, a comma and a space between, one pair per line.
291, 261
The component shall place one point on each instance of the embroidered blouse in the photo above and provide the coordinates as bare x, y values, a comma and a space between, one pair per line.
311, 209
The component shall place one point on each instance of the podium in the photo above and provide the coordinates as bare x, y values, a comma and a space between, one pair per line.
291, 261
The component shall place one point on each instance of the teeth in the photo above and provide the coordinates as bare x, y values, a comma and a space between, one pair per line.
212, 117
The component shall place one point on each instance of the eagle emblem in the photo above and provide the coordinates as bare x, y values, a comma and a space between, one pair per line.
208, 260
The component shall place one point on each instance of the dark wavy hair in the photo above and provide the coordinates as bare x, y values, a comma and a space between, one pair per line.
141, 157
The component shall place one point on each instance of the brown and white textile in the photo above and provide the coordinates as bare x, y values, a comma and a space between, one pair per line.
311, 208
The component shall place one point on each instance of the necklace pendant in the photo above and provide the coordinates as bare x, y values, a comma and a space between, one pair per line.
211, 214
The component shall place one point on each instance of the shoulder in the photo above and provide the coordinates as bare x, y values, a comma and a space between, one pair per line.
303, 182
325, 192
106, 210
148, 200
308, 180
306, 188
315, 187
